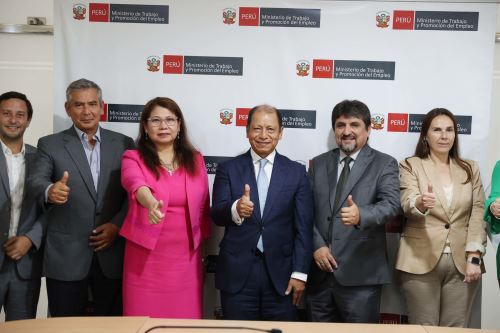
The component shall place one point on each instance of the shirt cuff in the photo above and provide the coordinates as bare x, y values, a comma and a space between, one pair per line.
47, 193
299, 276
412, 205
473, 247
234, 213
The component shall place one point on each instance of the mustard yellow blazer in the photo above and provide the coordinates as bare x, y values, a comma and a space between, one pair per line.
424, 236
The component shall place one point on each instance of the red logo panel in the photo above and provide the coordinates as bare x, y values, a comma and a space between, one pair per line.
104, 115
323, 68
398, 122
403, 19
242, 116
173, 64
99, 12
249, 16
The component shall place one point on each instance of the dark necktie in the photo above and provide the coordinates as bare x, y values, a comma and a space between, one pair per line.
342, 180
338, 192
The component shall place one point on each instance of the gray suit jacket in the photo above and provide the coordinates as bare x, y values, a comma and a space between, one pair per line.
360, 252
68, 255
30, 220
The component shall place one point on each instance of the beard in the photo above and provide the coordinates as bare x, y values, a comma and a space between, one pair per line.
348, 148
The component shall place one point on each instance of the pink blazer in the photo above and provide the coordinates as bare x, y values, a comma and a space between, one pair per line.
136, 227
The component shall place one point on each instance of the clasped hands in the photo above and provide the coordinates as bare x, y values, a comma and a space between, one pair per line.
495, 208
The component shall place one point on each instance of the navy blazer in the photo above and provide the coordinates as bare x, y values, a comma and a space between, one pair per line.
286, 224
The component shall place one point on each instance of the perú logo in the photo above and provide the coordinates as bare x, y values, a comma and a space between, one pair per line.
226, 117
79, 11
229, 16
302, 68
383, 19
153, 63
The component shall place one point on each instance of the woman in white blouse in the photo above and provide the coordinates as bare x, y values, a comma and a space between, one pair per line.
442, 197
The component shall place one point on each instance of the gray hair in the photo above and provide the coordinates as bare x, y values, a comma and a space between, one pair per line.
83, 84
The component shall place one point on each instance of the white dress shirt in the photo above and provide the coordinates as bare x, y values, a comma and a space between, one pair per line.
16, 170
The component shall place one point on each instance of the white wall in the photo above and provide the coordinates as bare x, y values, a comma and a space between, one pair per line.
26, 65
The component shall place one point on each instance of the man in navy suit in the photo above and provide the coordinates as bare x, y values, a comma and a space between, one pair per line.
264, 201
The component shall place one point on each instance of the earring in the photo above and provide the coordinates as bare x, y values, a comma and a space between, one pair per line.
146, 136
178, 135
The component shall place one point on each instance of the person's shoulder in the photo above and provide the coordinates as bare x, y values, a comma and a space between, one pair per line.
289, 162
115, 135
29, 148
379, 155
131, 153
51, 138
325, 156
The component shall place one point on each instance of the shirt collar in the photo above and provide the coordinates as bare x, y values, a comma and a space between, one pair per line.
256, 158
6, 150
83, 136
343, 155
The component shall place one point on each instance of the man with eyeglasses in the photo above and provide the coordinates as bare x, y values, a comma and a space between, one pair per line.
78, 182
21, 229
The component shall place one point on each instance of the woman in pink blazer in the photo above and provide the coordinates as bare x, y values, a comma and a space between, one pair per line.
168, 217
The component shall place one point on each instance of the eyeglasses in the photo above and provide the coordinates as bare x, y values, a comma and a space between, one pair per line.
157, 121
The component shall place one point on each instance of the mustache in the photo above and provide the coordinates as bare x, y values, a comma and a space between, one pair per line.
350, 136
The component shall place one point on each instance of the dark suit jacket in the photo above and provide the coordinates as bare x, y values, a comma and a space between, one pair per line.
30, 220
286, 224
68, 255
359, 252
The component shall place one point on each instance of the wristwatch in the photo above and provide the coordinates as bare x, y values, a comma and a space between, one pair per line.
474, 260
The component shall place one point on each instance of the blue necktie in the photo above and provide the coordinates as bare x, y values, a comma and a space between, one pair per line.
262, 187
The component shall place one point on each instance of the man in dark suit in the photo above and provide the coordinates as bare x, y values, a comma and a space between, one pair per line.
21, 228
356, 190
264, 202
78, 179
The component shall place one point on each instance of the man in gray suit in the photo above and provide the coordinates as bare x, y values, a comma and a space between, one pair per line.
21, 228
356, 190
78, 180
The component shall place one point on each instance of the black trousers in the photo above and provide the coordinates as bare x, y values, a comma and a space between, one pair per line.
71, 298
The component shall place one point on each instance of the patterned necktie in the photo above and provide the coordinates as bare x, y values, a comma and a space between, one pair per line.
262, 187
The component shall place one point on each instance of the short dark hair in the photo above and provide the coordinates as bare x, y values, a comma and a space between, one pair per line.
83, 84
22, 97
266, 108
351, 108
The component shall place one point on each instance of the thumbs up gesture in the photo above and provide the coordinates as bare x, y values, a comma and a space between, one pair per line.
155, 213
59, 191
349, 215
244, 206
427, 200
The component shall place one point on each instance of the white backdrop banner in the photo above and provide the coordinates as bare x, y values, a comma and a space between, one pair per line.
217, 59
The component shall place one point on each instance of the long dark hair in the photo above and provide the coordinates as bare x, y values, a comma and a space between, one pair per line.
184, 151
423, 150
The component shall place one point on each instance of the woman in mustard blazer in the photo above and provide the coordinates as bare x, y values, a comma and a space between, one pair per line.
439, 256
168, 217
492, 209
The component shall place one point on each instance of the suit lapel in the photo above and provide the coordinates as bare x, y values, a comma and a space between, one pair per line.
457, 177
106, 159
29, 163
3, 173
437, 186
332, 165
364, 158
278, 176
247, 174
73, 146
